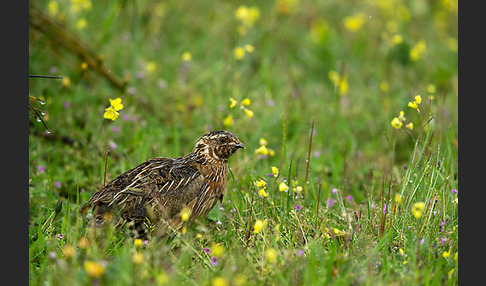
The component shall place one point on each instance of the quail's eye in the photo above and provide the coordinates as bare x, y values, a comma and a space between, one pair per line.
223, 140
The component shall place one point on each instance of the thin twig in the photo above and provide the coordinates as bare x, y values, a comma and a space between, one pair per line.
46, 76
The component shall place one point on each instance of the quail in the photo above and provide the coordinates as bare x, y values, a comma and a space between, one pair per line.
152, 196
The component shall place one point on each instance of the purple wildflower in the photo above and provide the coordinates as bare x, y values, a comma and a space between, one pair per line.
113, 145
218, 222
115, 129
42, 169
422, 241
350, 198
298, 207
214, 261
59, 236
57, 184
384, 209
207, 250
330, 202
300, 253
52, 255
334, 191
453, 191
146, 242
442, 240
66, 104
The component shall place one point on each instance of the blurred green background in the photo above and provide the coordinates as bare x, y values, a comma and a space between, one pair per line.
349, 66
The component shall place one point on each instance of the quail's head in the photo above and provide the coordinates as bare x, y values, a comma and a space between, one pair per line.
219, 145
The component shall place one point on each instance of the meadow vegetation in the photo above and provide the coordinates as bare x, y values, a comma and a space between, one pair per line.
348, 110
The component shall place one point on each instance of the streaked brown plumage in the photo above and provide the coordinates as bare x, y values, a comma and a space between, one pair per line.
158, 190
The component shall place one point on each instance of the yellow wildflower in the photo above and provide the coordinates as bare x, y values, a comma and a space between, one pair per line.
400, 251
228, 120
137, 258
446, 254
249, 48
138, 242
94, 269
398, 199
248, 112
283, 187
162, 278
217, 250
336, 231
319, 31
259, 225
81, 23
384, 86
431, 88
409, 126
262, 150
418, 99
339, 82
401, 116
298, 189
185, 214
151, 67
111, 113
263, 193
219, 281
116, 103
69, 251
245, 102
261, 183
412, 104
415, 104
418, 50
53, 8
450, 273
66, 81
355, 22
84, 65
262, 141
417, 209
239, 53
233, 102
247, 15
396, 123
186, 56
275, 171
271, 255
395, 40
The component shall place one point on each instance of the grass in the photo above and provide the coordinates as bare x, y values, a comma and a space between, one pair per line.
323, 97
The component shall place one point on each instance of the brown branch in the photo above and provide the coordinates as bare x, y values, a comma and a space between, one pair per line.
62, 37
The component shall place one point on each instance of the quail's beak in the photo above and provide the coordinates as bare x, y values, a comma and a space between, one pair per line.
239, 145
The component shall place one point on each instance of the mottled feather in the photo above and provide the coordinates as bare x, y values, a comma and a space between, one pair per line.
160, 188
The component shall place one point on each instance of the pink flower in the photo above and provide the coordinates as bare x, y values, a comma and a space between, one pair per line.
214, 261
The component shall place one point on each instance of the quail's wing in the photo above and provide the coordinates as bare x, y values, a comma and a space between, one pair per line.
128, 182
